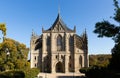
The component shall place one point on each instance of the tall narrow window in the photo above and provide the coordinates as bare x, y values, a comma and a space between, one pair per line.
35, 58
35, 65
80, 60
59, 43
48, 43
71, 43
70, 57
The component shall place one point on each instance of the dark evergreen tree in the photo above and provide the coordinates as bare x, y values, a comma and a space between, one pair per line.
107, 29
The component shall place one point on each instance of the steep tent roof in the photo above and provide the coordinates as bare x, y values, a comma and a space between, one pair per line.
59, 21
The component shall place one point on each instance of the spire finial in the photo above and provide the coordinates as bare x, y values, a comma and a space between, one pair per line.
42, 29
74, 28
85, 31
58, 6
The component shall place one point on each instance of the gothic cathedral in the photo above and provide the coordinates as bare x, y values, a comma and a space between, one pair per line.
59, 49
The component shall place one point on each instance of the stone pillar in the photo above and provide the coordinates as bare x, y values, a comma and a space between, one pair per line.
43, 44
32, 52
51, 34
84, 59
74, 44
77, 64
52, 55
52, 64
42, 65
74, 51
66, 56
87, 60
66, 43
43, 50
66, 63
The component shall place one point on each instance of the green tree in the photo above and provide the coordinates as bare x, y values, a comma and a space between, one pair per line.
3, 29
31, 73
101, 60
107, 29
12, 74
17, 57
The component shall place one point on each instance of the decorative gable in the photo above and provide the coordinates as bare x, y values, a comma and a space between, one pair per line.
58, 28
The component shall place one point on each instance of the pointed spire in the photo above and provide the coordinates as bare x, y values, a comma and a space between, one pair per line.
58, 17
85, 34
33, 32
59, 10
74, 28
42, 29
85, 41
58, 6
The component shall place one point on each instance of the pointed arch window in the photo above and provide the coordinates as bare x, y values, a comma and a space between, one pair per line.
71, 43
48, 41
80, 60
59, 43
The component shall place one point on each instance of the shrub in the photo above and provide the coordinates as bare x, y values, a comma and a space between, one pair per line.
12, 74
100, 72
31, 73
84, 70
26, 73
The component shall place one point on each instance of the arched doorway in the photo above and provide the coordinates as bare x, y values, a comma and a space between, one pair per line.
59, 67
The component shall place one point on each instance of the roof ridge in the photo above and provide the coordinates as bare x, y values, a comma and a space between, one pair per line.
59, 19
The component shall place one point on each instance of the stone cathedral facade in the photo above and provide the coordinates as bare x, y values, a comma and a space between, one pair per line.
59, 49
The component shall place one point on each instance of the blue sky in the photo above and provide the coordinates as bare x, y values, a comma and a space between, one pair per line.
21, 16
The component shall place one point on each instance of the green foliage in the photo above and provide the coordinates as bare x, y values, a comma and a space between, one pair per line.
3, 29
115, 61
17, 58
101, 60
106, 29
20, 73
99, 65
31, 73
12, 74
84, 70
117, 11
13, 59
99, 72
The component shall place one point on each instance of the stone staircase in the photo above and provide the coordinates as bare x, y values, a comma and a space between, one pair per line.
61, 75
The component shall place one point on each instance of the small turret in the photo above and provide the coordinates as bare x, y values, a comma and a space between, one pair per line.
33, 37
33, 33
42, 29
85, 40
74, 28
